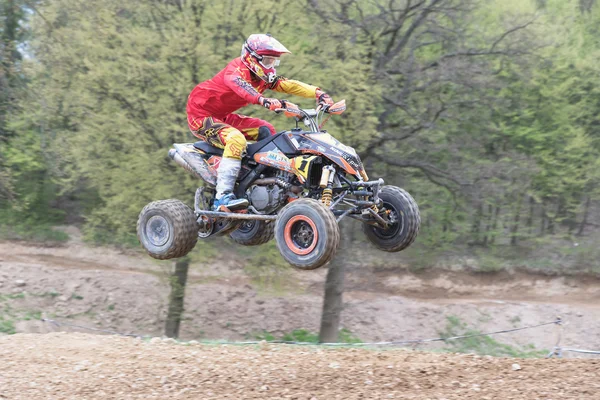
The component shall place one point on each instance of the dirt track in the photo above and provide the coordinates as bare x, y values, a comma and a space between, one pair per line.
104, 288
80, 366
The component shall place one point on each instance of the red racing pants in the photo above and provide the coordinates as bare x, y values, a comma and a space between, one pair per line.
230, 133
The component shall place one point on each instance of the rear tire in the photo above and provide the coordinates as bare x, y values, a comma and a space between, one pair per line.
253, 233
307, 234
167, 229
403, 233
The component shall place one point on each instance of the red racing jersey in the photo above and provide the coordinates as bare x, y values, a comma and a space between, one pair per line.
234, 87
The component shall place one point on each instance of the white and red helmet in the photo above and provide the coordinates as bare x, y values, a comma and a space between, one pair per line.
260, 53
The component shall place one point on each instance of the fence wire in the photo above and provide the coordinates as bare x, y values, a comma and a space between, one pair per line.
558, 351
389, 343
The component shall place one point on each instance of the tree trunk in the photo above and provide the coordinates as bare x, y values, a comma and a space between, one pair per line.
488, 225
178, 281
585, 217
544, 218
530, 216
514, 230
585, 6
476, 227
495, 226
334, 289
551, 223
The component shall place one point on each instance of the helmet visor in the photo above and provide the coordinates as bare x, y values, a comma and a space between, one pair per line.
269, 61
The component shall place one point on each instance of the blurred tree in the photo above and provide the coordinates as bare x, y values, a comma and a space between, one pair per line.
483, 110
11, 35
23, 176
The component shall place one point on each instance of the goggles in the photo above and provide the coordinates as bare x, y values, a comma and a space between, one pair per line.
269, 61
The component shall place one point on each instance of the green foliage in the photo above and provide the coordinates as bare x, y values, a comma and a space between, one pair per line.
490, 120
14, 226
483, 345
306, 336
7, 325
301, 335
52, 294
490, 261
32, 315
348, 337
267, 336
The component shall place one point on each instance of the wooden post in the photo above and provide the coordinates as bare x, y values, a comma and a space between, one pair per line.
177, 281
333, 303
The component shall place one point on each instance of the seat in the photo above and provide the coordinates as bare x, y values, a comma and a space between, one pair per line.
208, 148
255, 147
250, 150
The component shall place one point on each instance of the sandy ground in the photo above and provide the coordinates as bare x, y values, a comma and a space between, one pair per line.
80, 366
127, 292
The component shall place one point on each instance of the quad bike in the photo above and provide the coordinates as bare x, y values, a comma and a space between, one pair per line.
299, 184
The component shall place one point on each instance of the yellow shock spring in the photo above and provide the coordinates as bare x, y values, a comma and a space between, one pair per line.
326, 197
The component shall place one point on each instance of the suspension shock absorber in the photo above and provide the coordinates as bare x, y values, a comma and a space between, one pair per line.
327, 183
365, 194
327, 196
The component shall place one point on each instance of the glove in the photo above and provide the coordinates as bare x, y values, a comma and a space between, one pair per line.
323, 98
271, 104
291, 109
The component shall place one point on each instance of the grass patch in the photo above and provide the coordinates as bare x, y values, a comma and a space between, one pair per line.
32, 315
103, 236
7, 326
75, 296
483, 345
305, 336
4, 297
51, 294
14, 228
348, 337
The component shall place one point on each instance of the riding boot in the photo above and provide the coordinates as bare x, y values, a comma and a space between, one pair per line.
226, 177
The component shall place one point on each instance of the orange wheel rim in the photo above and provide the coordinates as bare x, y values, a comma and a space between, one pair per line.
301, 235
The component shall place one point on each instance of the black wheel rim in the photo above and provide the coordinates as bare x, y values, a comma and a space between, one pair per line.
397, 223
157, 230
302, 234
247, 226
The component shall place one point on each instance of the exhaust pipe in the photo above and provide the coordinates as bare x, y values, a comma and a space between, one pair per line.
193, 163
179, 160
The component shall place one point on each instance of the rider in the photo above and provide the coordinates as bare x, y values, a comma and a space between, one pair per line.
211, 105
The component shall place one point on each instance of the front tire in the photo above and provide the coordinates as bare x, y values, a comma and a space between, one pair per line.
405, 212
253, 233
307, 234
167, 229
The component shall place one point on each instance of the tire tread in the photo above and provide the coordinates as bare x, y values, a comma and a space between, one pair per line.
331, 227
185, 227
412, 221
265, 234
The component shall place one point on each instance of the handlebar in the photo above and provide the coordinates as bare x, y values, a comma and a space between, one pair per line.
312, 115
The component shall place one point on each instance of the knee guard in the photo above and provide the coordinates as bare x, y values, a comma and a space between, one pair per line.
235, 144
